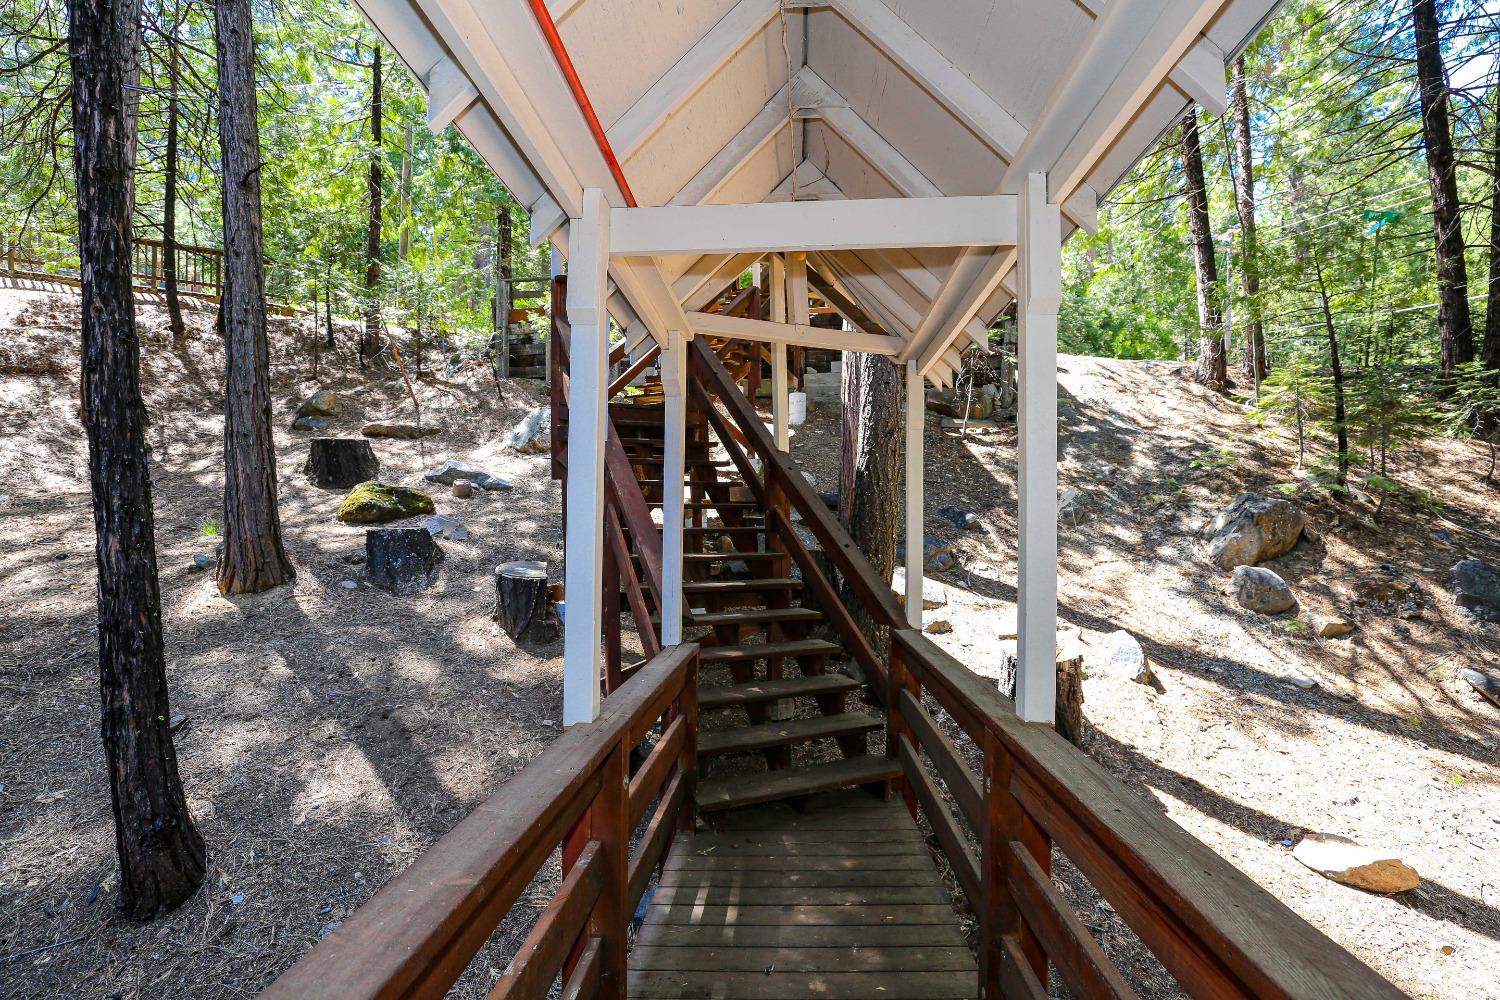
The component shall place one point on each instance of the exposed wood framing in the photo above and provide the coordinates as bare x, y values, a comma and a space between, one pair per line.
741, 328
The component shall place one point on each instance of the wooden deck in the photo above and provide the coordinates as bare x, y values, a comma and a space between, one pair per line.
844, 901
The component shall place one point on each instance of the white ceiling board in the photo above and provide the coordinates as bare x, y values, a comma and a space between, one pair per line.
843, 165
1013, 50
897, 107
621, 49
737, 92
765, 128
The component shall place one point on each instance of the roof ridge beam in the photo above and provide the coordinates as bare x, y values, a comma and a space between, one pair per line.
964, 99
689, 75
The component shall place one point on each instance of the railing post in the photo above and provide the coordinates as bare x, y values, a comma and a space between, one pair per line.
687, 707
611, 608
1003, 934
898, 679
607, 820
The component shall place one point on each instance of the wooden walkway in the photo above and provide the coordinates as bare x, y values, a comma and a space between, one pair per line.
844, 901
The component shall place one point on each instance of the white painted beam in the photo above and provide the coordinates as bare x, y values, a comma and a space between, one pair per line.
949, 85
814, 96
737, 152
449, 93
916, 416
1200, 75
811, 225
1036, 451
588, 274
547, 217
674, 364
688, 75
740, 328
561, 10
780, 404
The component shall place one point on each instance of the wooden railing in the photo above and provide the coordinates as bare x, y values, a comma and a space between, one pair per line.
1213, 929
781, 488
417, 935
54, 257
629, 532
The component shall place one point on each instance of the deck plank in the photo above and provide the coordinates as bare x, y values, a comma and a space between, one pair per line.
843, 900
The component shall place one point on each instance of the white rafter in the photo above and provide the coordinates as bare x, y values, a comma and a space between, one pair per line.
741, 328
650, 112
949, 85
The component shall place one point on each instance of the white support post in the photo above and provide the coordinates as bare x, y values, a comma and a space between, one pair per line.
796, 288
916, 413
673, 474
779, 403
1040, 293
588, 276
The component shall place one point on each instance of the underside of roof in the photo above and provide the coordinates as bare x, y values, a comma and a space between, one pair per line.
714, 102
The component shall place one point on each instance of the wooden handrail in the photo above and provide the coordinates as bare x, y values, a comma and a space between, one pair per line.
1217, 932
630, 374
417, 934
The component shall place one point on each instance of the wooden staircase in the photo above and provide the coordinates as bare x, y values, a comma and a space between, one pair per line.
779, 721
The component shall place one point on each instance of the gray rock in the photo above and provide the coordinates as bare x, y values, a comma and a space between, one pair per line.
1253, 529
201, 563
443, 526
348, 585
959, 518
1476, 588
309, 423
1119, 654
534, 433
1331, 626
453, 470
323, 403
1260, 590
1483, 683
404, 432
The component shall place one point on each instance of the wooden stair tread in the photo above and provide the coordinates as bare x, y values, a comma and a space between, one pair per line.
732, 791
756, 616
763, 650
787, 687
741, 586
774, 734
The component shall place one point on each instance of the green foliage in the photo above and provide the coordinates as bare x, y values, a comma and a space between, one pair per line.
1473, 409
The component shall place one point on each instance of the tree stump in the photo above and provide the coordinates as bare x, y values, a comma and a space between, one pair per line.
340, 463
521, 605
401, 560
1068, 719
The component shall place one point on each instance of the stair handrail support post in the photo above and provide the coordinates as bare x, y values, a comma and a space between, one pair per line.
588, 375
1038, 299
1007, 827
674, 363
915, 547
780, 403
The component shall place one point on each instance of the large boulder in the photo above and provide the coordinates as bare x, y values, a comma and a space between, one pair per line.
323, 403
453, 470
533, 434
1476, 588
1258, 589
404, 432
375, 502
1253, 529
938, 556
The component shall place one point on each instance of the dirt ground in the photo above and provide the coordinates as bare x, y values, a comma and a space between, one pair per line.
1391, 747
331, 734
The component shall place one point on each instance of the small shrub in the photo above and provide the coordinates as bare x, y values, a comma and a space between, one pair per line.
209, 527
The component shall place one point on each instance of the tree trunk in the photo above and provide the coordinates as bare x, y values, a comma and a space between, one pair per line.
253, 558
1455, 323
1492, 308
1244, 203
503, 296
403, 242
328, 304
1341, 431
169, 202
161, 853
369, 344
1212, 367
870, 472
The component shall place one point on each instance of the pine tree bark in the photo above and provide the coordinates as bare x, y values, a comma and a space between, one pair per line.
1492, 300
369, 344
1455, 321
870, 472
253, 559
1340, 413
503, 295
1212, 367
403, 242
1244, 204
169, 201
161, 853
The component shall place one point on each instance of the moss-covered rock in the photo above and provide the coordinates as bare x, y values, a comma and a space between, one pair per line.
375, 502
